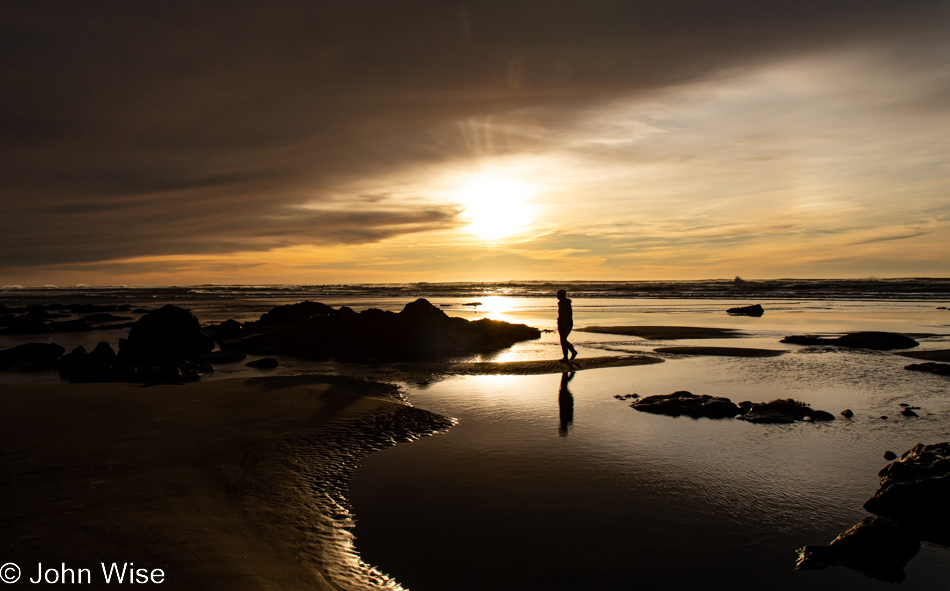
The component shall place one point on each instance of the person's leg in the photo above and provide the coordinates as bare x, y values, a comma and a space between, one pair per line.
566, 345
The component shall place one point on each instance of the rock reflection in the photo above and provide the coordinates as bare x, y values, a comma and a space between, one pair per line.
565, 403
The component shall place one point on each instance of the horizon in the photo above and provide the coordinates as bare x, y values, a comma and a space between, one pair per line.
564, 282
323, 143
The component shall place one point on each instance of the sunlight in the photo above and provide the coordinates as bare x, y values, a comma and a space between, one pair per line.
497, 306
497, 207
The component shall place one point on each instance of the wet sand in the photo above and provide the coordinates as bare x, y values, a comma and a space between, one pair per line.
525, 368
668, 332
721, 351
937, 355
234, 484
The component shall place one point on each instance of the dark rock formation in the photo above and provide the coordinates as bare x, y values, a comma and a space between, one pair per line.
877, 547
782, 411
25, 324
420, 332
221, 357
914, 492
847, 413
941, 369
754, 310
688, 404
889, 455
84, 368
228, 330
265, 363
162, 335
909, 413
691, 405
31, 357
881, 341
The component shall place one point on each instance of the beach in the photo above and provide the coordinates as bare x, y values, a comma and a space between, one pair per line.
203, 481
315, 474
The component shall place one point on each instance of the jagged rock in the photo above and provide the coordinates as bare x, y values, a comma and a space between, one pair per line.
881, 341
783, 411
941, 369
877, 547
754, 310
847, 413
162, 335
909, 413
104, 353
914, 492
420, 332
265, 363
80, 367
31, 357
688, 404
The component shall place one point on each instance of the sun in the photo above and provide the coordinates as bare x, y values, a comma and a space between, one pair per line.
497, 207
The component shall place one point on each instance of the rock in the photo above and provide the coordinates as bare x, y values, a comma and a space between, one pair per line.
881, 341
941, 369
227, 356
26, 325
163, 335
420, 332
781, 411
31, 357
909, 413
820, 415
914, 492
688, 404
80, 367
884, 417
877, 547
754, 310
847, 413
104, 353
226, 331
889, 455
265, 363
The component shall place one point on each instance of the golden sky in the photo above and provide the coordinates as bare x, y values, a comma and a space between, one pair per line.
306, 142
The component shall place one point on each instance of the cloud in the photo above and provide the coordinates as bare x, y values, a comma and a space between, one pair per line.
157, 128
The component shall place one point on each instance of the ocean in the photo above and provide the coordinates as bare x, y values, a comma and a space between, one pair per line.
532, 489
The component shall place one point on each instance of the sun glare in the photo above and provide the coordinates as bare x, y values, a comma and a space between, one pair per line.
497, 207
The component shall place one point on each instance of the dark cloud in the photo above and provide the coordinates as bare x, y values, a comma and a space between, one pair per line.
137, 128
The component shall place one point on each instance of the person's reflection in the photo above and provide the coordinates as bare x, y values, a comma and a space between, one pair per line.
565, 403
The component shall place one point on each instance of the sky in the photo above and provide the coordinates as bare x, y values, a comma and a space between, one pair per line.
157, 143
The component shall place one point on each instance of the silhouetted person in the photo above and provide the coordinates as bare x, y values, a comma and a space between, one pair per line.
565, 403
565, 324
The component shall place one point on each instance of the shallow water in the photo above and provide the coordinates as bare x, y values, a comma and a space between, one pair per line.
532, 491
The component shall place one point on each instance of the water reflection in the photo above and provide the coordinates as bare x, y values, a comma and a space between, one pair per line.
565, 403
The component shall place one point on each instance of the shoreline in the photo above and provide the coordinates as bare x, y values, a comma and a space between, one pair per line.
221, 485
